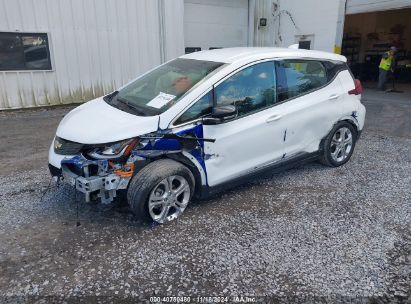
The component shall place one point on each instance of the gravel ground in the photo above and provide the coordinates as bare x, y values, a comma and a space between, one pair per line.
313, 233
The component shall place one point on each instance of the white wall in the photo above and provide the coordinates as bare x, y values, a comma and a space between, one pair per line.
365, 6
174, 28
311, 17
96, 46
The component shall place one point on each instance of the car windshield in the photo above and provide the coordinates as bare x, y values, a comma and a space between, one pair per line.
161, 88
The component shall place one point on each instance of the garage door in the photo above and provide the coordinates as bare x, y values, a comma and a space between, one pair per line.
215, 24
367, 6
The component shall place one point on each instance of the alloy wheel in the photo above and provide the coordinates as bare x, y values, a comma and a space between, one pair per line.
168, 199
341, 144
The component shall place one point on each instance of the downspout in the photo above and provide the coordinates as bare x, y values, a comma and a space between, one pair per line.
251, 22
162, 35
340, 26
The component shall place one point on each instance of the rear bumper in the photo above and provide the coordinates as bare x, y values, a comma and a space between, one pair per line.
361, 111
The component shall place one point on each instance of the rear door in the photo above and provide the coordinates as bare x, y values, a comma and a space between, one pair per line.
314, 102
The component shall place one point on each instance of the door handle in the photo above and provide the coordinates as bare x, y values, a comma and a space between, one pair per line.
333, 96
273, 118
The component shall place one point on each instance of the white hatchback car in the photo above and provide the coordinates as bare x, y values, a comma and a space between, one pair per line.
206, 121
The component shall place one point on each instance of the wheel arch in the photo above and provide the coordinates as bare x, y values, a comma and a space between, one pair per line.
349, 119
188, 161
353, 123
192, 164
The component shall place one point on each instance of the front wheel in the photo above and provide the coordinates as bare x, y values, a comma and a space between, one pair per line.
161, 191
339, 145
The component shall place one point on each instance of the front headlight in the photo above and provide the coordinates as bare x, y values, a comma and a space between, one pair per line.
113, 150
57, 144
65, 147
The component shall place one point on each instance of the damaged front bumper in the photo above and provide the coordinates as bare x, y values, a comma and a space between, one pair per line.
103, 177
94, 178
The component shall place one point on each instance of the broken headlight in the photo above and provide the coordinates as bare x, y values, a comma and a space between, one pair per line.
65, 147
113, 150
57, 144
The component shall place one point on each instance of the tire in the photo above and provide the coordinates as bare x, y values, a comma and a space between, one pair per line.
150, 196
335, 151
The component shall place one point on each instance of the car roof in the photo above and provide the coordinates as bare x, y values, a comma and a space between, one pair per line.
232, 55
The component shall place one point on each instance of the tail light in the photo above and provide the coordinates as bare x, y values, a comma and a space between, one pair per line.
358, 88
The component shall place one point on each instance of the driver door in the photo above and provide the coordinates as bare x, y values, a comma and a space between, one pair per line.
256, 137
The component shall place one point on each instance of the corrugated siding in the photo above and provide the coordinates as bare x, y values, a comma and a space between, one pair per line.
173, 28
96, 46
365, 6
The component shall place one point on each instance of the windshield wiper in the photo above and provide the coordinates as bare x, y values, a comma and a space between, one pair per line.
115, 100
131, 106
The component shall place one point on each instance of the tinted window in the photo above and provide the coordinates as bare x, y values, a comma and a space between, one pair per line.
23, 51
201, 108
251, 89
297, 77
334, 67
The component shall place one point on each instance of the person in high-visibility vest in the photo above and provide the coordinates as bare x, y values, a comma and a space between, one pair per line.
386, 65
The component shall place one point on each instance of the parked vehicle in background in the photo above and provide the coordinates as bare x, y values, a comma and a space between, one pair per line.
207, 120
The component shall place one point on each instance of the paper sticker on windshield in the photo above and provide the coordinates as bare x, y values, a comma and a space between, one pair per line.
161, 100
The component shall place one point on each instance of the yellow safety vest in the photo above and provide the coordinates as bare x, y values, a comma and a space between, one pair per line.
385, 63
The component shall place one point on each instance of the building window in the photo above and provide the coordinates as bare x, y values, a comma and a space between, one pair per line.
305, 45
190, 50
24, 51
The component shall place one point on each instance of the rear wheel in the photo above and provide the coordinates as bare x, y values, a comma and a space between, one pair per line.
161, 191
339, 145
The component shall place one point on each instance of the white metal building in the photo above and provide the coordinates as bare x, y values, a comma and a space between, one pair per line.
62, 51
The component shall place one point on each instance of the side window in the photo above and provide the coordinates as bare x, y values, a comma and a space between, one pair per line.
296, 77
251, 89
334, 67
202, 107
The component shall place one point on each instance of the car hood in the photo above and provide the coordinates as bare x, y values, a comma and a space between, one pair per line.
96, 122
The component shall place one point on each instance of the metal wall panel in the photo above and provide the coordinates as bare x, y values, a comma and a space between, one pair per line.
96, 46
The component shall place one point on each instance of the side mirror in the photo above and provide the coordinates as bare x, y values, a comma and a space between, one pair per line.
220, 114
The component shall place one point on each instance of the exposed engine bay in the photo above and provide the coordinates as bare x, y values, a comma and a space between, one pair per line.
99, 171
